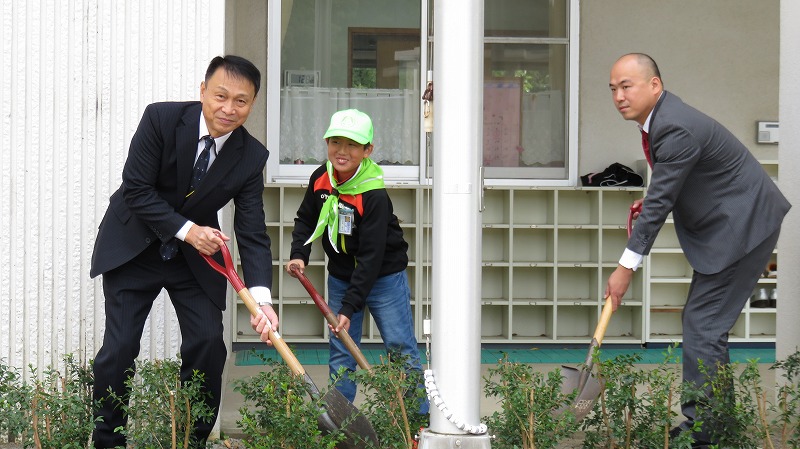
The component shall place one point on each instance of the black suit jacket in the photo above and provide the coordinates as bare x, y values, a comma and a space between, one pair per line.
150, 204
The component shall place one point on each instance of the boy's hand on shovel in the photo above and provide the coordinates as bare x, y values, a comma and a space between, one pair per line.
344, 324
295, 265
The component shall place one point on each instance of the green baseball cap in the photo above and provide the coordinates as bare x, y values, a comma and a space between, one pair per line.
350, 123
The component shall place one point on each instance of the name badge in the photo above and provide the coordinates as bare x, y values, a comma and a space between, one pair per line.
346, 216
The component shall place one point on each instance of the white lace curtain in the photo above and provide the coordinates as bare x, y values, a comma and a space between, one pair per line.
306, 114
543, 129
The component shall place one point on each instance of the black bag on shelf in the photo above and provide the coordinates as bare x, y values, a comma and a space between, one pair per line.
615, 175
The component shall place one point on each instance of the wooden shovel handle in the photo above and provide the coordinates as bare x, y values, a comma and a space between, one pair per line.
605, 317
276, 339
343, 335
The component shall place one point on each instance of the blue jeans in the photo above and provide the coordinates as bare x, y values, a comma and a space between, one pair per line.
389, 302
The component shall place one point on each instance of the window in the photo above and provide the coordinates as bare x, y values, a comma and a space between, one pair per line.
526, 89
384, 58
348, 54
326, 55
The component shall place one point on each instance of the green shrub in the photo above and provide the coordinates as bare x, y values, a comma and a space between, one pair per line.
635, 405
54, 410
392, 400
14, 400
162, 410
277, 412
61, 407
787, 409
732, 414
528, 400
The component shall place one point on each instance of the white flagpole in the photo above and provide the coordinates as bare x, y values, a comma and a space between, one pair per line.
456, 270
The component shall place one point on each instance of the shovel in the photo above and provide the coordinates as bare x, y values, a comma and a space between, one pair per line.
343, 335
581, 380
635, 208
332, 320
588, 388
340, 414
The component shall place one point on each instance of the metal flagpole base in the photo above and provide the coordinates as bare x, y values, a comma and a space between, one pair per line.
432, 440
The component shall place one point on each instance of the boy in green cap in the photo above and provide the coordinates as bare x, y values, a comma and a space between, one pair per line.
367, 256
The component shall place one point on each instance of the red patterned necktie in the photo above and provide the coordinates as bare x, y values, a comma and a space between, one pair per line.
646, 148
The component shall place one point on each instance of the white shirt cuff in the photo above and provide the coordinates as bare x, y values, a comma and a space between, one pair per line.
181, 234
630, 259
262, 295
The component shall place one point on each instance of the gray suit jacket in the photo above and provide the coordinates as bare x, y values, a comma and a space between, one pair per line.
722, 201
151, 205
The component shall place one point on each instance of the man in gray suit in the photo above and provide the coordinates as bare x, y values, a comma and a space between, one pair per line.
186, 161
726, 209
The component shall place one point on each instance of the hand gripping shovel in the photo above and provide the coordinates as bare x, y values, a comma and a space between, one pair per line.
581, 380
339, 413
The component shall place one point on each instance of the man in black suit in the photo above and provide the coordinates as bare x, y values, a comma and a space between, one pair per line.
156, 226
726, 210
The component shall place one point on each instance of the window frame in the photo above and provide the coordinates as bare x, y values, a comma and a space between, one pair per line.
277, 172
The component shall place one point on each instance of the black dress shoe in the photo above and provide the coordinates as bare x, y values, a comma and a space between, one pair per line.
701, 445
675, 432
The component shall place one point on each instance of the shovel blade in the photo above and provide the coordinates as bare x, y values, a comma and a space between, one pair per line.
341, 415
586, 395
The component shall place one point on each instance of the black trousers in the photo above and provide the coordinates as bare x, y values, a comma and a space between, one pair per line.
129, 294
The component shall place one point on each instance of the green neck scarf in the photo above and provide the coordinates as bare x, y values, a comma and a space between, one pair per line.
368, 176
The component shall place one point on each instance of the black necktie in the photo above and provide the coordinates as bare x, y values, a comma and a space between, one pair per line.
201, 166
169, 249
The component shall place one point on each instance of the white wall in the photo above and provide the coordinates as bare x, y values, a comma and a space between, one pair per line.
720, 56
246, 36
788, 338
76, 76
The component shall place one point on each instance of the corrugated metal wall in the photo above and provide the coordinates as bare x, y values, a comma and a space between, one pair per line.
76, 76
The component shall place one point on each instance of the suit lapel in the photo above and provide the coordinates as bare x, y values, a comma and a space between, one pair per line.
652, 121
656, 108
186, 145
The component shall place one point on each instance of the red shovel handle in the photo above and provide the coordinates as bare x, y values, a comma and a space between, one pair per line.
348, 341
635, 208
229, 271
318, 299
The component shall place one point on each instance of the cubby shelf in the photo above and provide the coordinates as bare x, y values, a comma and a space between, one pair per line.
669, 278
546, 255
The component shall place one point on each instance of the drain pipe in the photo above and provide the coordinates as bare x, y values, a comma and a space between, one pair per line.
456, 270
